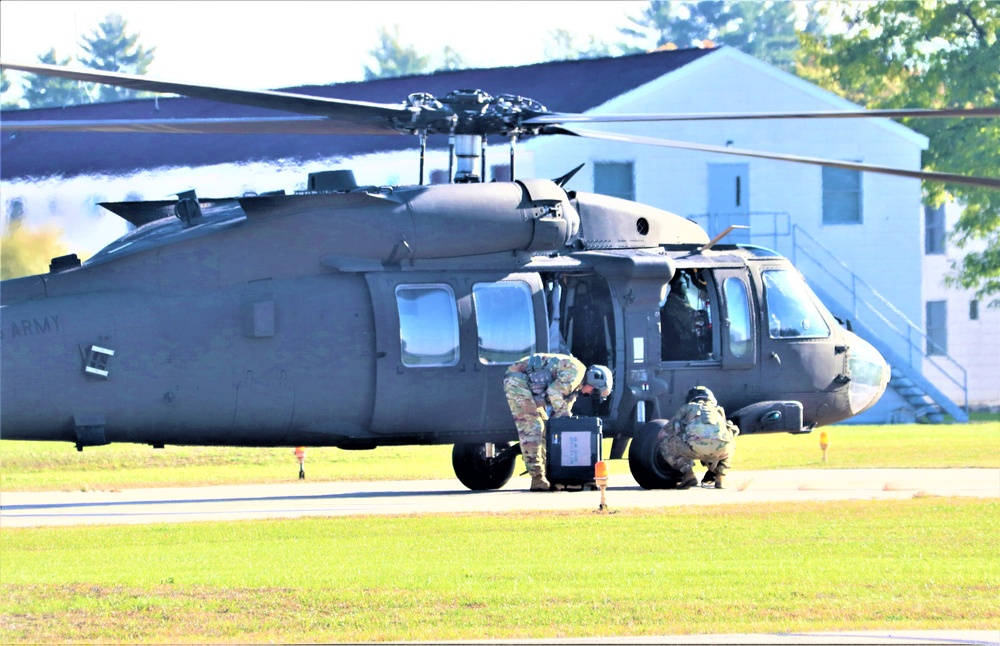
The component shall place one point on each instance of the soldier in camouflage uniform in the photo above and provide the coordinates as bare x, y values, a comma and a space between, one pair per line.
699, 431
541, 386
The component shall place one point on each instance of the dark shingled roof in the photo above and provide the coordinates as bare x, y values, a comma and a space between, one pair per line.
564, 86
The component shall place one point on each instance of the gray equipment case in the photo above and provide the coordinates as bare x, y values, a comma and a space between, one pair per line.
572, 448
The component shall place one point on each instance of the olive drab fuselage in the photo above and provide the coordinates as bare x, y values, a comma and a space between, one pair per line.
387, 317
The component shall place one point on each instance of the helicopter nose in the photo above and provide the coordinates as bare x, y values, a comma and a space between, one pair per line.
869, 374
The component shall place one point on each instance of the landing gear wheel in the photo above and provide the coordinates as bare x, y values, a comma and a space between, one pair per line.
478, 472
648, 467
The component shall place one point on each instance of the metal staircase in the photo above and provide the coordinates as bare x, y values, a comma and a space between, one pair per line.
923, 406
903, 343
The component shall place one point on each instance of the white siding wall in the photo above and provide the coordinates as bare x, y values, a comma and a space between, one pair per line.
973, 344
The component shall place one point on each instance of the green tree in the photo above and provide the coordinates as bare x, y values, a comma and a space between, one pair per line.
451, 59
930, 54
111, 48
565, 45
392, 58
48, 91
25, 251
5, 86
765, 30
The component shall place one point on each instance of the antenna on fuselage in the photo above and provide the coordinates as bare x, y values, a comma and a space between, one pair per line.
713, 241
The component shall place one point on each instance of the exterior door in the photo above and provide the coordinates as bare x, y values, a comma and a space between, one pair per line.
729, 201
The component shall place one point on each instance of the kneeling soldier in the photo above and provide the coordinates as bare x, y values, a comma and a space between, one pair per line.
699, 431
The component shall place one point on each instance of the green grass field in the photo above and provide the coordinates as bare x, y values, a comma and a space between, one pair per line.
923, 563
35, 466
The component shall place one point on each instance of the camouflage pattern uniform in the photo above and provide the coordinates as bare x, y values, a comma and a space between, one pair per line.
699, 431
565, 375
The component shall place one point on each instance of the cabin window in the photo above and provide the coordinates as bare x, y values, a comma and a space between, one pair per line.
738, 312
934, 230
505, 319
616, 179
937, 327
791, 309
428, 325
841, 196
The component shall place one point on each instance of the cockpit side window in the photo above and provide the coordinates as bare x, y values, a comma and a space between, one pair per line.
791, 308
738, 314
686, 318
428, 325
505, 319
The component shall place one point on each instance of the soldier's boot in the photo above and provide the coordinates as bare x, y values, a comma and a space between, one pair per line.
539, 483
720, 481
708, 479
688, 480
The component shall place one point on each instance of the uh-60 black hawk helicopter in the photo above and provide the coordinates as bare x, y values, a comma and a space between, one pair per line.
357, 317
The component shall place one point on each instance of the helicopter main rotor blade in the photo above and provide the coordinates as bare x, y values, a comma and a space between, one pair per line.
933, 176
557, 118
237, 126
371, 115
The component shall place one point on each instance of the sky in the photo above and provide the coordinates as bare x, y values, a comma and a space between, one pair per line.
258, 45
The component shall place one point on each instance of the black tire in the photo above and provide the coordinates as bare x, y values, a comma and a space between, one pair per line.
479, 473
648, 467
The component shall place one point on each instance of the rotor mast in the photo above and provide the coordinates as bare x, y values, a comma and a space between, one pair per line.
468, 117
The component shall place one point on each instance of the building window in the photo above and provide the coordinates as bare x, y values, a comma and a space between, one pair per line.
428, 325
841, 196
501, 172
506, 321
616, 179
937, 327
15, 210
934, 229
973, 310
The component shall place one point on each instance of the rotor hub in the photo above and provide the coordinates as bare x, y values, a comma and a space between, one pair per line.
470, 112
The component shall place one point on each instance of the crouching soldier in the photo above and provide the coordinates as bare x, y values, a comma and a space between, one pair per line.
699, 431
541, 386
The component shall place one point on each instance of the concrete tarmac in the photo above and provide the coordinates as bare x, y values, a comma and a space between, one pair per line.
306, 498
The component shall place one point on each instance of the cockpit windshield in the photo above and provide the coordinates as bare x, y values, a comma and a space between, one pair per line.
793, 311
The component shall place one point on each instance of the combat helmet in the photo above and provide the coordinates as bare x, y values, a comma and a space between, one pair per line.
600, 378
702, 393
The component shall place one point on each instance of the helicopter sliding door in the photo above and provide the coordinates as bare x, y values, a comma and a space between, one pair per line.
444, 342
